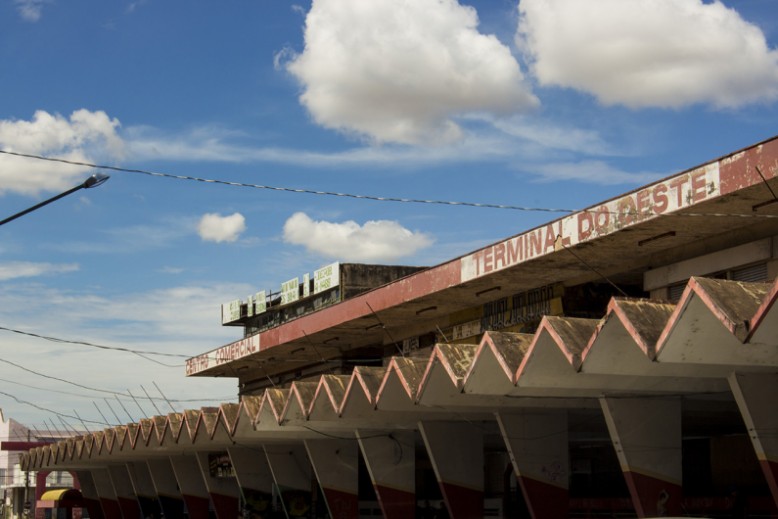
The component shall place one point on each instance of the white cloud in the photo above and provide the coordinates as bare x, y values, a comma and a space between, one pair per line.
30, 10
641, 53
378, 240
80, 138
25, 269
217, 228
590, 171
401, 70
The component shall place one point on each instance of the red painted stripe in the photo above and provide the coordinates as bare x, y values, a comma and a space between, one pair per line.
341, 505
396, 504
226, 507
421, 284
197, 507
129, 507
653, 496
110, 508
543, 500
462, 502
770, 469
738, 171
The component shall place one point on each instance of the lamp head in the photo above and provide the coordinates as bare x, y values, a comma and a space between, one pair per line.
95, 180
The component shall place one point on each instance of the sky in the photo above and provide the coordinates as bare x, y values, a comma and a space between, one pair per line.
535, 105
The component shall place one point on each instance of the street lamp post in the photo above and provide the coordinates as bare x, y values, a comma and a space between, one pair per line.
93, 181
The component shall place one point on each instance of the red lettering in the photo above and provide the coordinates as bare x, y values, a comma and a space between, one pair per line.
698, 186
550, 238
514, 250
602, 219
659, 196
488, 266
584, 226
499, 256
627, 212
642, 203
535, 243
677, 184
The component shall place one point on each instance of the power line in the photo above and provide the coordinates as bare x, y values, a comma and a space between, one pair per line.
285, 189
111, 392
364, 197
140, 353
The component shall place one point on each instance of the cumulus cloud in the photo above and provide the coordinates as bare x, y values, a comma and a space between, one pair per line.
81, 137
30, 10
648, 53
217, 228
401, 70
26, 269
377, 240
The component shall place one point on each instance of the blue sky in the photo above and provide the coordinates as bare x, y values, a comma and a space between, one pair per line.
538, 103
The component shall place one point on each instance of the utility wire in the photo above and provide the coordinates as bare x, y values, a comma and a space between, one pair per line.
285, 189
108, 391
357, 196
141, 353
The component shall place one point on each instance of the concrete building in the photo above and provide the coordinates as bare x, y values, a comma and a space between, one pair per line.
621, 360
18, 485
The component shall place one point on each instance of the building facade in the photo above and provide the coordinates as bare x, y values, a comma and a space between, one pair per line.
621, 360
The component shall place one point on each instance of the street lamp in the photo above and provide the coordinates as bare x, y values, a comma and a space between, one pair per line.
93, 181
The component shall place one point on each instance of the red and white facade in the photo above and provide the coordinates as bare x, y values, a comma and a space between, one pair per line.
537, 387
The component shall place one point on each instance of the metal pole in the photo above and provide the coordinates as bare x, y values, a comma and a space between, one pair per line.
93, 181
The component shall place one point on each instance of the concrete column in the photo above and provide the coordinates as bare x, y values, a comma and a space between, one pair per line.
537, 443
755, 396
224, 491
336, 464
143, 487
190, 481
391, 461
89, 493
456, 450
254, 478
646, 433
292, 474
106, 493
125, 494
166, 487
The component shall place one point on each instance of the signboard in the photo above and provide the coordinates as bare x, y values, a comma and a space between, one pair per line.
290, 291
231, 311
233, 351
465, 330
261, 302
306, 285
650, 202
326, 278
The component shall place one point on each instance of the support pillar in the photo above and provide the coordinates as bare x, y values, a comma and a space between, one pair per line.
106, 493
336, 464
125, 494
190, 481
391, 461
166, 487
89, 494
224, 491
755, 396
254, 478
646, 433
292, 474
456, 450
143, 487
537, 443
